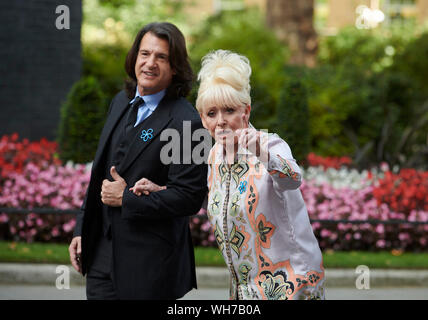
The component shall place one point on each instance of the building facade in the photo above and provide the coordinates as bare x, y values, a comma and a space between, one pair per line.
40, 61
329, 14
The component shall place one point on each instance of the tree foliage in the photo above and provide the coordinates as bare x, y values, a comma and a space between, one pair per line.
367, 98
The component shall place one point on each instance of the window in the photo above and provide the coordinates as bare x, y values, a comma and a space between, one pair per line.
399, 11
226, 5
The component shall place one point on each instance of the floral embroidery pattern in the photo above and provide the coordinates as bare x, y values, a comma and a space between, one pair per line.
264, 230
244, 275
234, 204
241, 217
251, 199
218, 234
294, 286
286, 170
242, 187
244, 270
222, 170
214, 206
238, 170
236, 240
249, 255
264, 263
275, 286
311, 279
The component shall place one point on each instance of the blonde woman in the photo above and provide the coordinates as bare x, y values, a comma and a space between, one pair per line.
255, 207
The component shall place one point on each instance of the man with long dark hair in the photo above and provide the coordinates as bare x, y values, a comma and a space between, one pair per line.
134, 247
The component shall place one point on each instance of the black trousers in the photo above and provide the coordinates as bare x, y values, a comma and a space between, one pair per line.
99, 279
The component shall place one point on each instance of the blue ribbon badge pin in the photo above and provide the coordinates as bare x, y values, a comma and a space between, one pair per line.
146, 135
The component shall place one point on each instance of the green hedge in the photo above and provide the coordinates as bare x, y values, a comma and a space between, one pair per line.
82, 119
293, 116
106, 63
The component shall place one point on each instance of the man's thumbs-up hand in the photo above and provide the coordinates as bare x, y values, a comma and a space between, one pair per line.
115, 175
112, 191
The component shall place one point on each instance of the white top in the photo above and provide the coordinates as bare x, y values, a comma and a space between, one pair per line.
261, 225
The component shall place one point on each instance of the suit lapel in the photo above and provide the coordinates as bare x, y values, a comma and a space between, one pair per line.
149, 131
118, 109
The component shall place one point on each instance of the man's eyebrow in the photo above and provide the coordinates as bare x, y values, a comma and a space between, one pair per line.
164, 54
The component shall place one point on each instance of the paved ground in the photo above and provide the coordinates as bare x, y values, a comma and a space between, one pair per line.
210, 277
40, 292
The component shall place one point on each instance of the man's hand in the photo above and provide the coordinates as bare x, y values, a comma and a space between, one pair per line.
112, 191
75, 250
145, 186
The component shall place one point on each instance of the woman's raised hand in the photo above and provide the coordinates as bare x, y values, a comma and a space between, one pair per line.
252, 140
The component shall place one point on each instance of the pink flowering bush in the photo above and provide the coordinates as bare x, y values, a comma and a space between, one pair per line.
42, 186
33, 178
327, 203
201, 230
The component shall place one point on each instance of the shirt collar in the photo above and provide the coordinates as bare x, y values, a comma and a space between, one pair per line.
151, 100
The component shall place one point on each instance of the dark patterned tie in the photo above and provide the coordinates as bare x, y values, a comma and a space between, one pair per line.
132, 114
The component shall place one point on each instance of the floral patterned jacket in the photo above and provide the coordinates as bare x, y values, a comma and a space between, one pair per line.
261, 225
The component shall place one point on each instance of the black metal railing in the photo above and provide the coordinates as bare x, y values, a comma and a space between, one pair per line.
37, 211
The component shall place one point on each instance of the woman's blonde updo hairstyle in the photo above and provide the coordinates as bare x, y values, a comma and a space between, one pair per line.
224, 80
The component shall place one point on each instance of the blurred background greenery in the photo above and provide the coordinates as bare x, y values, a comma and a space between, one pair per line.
327, 85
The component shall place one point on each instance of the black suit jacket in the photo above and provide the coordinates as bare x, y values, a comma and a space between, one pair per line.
152, 247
